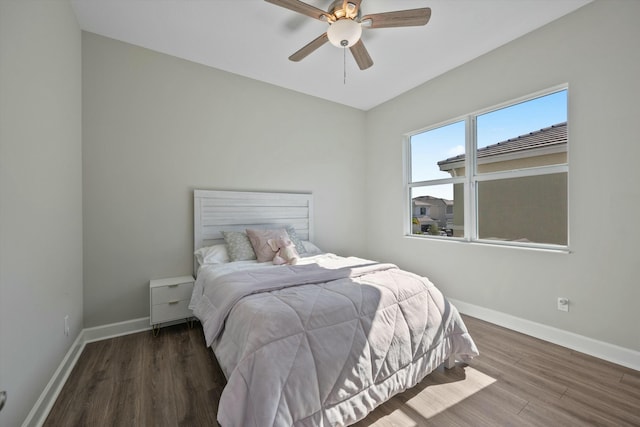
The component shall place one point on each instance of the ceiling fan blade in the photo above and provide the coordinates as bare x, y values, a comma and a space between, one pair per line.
301, 7
309, 48
400, 18
361, 55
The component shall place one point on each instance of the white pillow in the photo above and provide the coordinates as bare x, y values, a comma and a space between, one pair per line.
216, 254
311, 248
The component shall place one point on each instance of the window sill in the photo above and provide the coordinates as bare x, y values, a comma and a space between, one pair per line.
490, 243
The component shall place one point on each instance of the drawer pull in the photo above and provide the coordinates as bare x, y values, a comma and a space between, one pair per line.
173, 302
172, 286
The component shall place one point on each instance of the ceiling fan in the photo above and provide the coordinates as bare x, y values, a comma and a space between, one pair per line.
346, 24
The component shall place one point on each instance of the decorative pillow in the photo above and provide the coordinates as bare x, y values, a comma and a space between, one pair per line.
259, 241
238, 246
311, 248
296, 240
216, 254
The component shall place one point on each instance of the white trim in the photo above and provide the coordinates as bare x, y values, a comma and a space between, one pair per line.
471, 162
439, 181
40, 410
469, 196
610, 352
600, 349
113, 330
407, 214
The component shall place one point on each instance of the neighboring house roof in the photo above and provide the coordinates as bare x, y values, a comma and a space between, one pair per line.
425, 219
430, 201
551, 136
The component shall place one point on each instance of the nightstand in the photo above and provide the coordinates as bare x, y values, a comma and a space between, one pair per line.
169, 300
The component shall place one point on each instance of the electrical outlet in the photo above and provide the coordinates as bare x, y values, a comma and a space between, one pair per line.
563, 304
66, 325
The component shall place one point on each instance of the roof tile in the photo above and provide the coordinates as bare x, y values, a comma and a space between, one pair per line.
549, 136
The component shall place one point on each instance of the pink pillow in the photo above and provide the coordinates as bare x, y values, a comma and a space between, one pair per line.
259, 238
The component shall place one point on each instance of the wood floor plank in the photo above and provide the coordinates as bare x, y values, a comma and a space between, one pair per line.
621, 409
159, 407
581, 381
632, 380
189, 384
550, 414
571, 368
522, 382
173, 380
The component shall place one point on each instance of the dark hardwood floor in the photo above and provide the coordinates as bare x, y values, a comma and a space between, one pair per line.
173, 380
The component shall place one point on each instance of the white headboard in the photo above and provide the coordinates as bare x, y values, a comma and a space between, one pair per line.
216, 211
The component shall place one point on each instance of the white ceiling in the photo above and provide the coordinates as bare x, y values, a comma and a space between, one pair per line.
254, 38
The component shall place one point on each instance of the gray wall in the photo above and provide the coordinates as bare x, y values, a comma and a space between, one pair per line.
595, 50
40, 196
155, 127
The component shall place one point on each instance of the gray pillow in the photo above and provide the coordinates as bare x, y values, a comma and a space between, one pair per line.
238, 246
296, 240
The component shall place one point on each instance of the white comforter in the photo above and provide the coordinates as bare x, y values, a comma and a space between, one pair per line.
321, 343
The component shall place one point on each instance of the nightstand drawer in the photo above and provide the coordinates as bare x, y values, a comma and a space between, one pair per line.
170, 311
169, 300
171, 293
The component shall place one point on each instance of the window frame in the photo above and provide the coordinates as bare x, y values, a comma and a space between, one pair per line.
472, 177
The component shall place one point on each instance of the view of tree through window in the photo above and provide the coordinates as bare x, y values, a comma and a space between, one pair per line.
518, 174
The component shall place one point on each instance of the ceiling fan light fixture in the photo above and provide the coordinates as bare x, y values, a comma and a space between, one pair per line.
344, 33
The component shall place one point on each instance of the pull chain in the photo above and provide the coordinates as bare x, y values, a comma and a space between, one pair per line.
344, 45
344, 64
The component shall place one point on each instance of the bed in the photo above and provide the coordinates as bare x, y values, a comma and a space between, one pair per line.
319, 343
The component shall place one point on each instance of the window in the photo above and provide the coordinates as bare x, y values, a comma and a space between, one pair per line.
499, 175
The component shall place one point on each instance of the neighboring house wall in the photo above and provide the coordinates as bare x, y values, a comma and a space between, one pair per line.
524, 209
527, 162
532, 209
599, 274
458, 210
40, 197
156, 127
429, 210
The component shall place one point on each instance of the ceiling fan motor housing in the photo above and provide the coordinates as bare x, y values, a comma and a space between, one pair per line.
336, 9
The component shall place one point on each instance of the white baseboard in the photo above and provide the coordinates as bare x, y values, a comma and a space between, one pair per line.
38, 414
113, 330
600, 349
43, 405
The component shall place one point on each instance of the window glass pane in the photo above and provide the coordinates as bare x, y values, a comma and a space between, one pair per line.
437, 210
528, 134
529, 209
430, 147
529, 206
